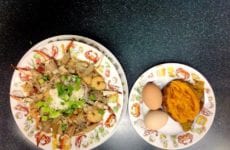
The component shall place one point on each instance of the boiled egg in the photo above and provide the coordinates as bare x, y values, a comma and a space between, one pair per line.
155, 120
152, 96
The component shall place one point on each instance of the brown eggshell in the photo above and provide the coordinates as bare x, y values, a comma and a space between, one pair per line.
152, 96
155, 120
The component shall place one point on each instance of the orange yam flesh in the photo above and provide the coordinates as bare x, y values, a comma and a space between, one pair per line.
181, 101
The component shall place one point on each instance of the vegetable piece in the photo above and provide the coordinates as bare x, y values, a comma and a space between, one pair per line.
92, 97
44, 118
54, 114
45, 77
64, 126
64, 90
65, 97
68, 111
40, 104
101, 111
73, 105
80, 103
45, 110
77, 84
41, 81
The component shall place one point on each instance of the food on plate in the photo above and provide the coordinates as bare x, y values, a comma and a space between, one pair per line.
152, 96
155, 120
199, 88
182, 100
66, 96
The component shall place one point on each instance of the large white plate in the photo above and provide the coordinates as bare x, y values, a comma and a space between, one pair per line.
171, 136
107, 65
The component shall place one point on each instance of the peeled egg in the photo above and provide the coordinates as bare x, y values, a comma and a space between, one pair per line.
155, 120
152, 96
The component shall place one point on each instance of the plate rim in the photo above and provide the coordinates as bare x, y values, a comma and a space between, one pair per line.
180, 64
102, 49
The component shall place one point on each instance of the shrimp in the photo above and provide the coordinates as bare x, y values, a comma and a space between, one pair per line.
94, 116
87, 79
66, 56
98, 83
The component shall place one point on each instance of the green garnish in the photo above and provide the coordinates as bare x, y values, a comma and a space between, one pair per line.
77, 82
70, 83
68, 111
54, 114
64, 90
45, 110
44, 118
65, 97
101, 111
45, 77
73, 105
78, 104
92, 97
41, 81
49, 99
64, 127
40, 104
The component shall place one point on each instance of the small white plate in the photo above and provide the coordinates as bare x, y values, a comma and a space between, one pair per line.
171, 136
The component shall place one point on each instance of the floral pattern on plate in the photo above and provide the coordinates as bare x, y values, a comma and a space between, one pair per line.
161, 75
84, 49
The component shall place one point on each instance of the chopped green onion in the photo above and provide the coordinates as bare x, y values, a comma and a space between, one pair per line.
101, 111
64, 89
73, 105
76, 104
44, 118
77, 84
68, 111
49, 99
45, 110
45, 77
54, 114
65, 97
41, 81
92, 97
40, 104
80, 103
64, 127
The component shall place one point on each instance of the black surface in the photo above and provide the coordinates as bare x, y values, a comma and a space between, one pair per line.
141, 34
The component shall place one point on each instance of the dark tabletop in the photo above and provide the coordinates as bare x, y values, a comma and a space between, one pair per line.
140, 34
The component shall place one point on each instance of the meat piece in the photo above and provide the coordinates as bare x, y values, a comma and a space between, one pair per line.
50, 66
